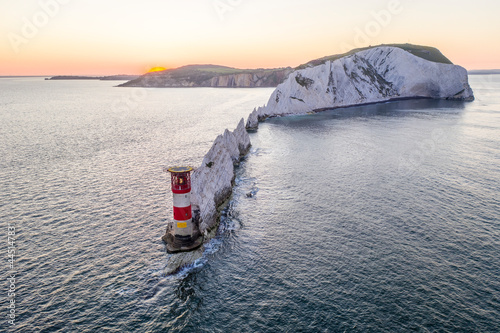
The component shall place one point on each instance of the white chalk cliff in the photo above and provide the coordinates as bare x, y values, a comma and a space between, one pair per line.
212, 182
374, 75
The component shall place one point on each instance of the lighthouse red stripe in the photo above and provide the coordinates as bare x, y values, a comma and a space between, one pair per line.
182, 213
187, 190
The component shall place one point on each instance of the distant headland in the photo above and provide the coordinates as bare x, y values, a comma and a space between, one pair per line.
229, 77
484, 72
121, 77
222, 76
211, 76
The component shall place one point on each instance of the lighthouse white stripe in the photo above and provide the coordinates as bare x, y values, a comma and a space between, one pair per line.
182, 200
183, 228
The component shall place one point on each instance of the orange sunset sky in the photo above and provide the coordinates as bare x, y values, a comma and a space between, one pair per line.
90, 37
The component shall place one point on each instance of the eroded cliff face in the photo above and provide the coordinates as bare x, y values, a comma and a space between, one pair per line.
250, 80
374, 75
211, 76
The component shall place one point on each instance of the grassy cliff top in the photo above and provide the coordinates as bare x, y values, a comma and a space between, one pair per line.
211, 70
424, 52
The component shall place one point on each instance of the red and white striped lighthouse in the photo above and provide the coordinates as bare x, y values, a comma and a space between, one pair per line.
182, 234
181, 189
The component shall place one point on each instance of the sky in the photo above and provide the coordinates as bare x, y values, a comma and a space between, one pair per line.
106, 37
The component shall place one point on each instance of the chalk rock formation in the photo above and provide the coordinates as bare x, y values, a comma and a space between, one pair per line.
212, 182
264, 78
374, 75
253, 119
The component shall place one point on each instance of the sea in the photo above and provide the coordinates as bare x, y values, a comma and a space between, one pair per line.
378, 218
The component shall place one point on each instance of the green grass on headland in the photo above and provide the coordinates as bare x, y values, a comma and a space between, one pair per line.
424, 52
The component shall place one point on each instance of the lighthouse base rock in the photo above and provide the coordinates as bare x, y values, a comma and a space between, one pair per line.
212, 185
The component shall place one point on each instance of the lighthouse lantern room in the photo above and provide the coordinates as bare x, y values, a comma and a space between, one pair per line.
181, 179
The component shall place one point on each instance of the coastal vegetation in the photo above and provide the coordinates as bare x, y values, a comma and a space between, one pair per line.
424, 52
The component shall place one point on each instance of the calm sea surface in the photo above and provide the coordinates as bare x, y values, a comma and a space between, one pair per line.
381, 218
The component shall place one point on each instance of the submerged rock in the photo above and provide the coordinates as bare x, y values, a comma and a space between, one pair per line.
177, 261
374, 75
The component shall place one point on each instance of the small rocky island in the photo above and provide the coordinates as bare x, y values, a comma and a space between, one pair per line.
371, 75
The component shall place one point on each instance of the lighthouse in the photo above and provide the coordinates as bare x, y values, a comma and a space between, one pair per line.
183, 233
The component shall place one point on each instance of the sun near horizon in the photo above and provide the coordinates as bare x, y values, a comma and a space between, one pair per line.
157, 69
